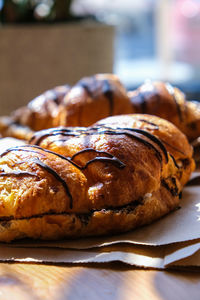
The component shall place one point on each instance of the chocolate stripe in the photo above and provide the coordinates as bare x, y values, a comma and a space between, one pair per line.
57, 176
17, 174
107, 91
119, 164
171, 91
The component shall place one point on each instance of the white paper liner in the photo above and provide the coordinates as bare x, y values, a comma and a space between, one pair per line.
188, 255
139, 256
136, 255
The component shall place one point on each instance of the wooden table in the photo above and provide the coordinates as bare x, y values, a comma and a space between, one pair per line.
113, 281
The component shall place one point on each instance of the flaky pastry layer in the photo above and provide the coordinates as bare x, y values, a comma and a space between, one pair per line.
119, 174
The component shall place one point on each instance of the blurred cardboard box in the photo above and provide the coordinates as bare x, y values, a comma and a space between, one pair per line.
34, 58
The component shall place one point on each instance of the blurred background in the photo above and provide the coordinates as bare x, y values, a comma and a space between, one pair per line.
44, 43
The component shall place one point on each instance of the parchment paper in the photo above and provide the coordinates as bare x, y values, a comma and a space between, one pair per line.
161, 257
186, 255
136, 255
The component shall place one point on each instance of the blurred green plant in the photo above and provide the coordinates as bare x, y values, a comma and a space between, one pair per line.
29, 11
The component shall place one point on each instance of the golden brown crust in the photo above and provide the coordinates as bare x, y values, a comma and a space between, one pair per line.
99, 96
41, 112
94, 98
167, 102
9, 128
117, 178
90, 100
101, 184
96, 223
173, 139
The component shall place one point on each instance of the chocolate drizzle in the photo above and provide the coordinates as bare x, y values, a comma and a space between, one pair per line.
171, 91
134, 133
172, 189
150, 141
17, 174
86, 88
129, 132
111, 158
21, 148
107, 91
175, 163
92, 85
55, 95
37, 138
150, 123
90, 150
38, 162
44, 166
173, 147
147, 92
151, 137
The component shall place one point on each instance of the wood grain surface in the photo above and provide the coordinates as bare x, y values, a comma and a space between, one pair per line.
113, 281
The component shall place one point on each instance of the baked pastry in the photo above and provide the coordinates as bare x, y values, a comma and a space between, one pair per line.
11, 128
175, 143
41, 112
92, 99
168, 102
89, 100
97, 97
108, 178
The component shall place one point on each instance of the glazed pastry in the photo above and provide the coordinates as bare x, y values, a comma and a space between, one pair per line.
167, 133
108, 178
90, 100
94, 98
99, 96
41, 112
11, 128
168, 102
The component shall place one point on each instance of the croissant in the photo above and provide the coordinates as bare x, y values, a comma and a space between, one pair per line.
94, 98
68, 182
39, 114
88, 101
168, 102
97, 97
